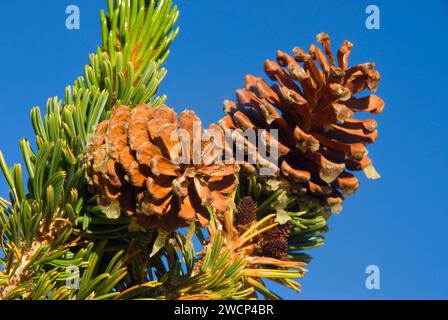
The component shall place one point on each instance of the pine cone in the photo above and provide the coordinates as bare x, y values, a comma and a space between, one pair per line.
281, 231
275, 248
130, 167
246, 212
274, 242
312, 105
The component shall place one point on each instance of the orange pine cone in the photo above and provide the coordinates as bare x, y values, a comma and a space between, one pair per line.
131, 168
313, 105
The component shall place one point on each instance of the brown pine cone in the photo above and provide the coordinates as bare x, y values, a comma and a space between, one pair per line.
274, 242
275, 248
312, 105
133, 166
281, 231
246, 212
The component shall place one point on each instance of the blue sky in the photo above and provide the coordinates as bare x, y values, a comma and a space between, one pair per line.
397, 223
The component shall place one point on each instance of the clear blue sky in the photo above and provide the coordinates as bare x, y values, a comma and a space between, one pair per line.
398, 223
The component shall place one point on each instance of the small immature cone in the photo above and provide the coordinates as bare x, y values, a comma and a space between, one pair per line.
282, 231
246, 212
312, 104
274, 242
139, 164
275, 248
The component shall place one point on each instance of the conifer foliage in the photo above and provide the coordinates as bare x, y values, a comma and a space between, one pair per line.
94, 219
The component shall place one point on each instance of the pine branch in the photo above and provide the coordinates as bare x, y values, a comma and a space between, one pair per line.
40, 237
230, 265
52, 222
